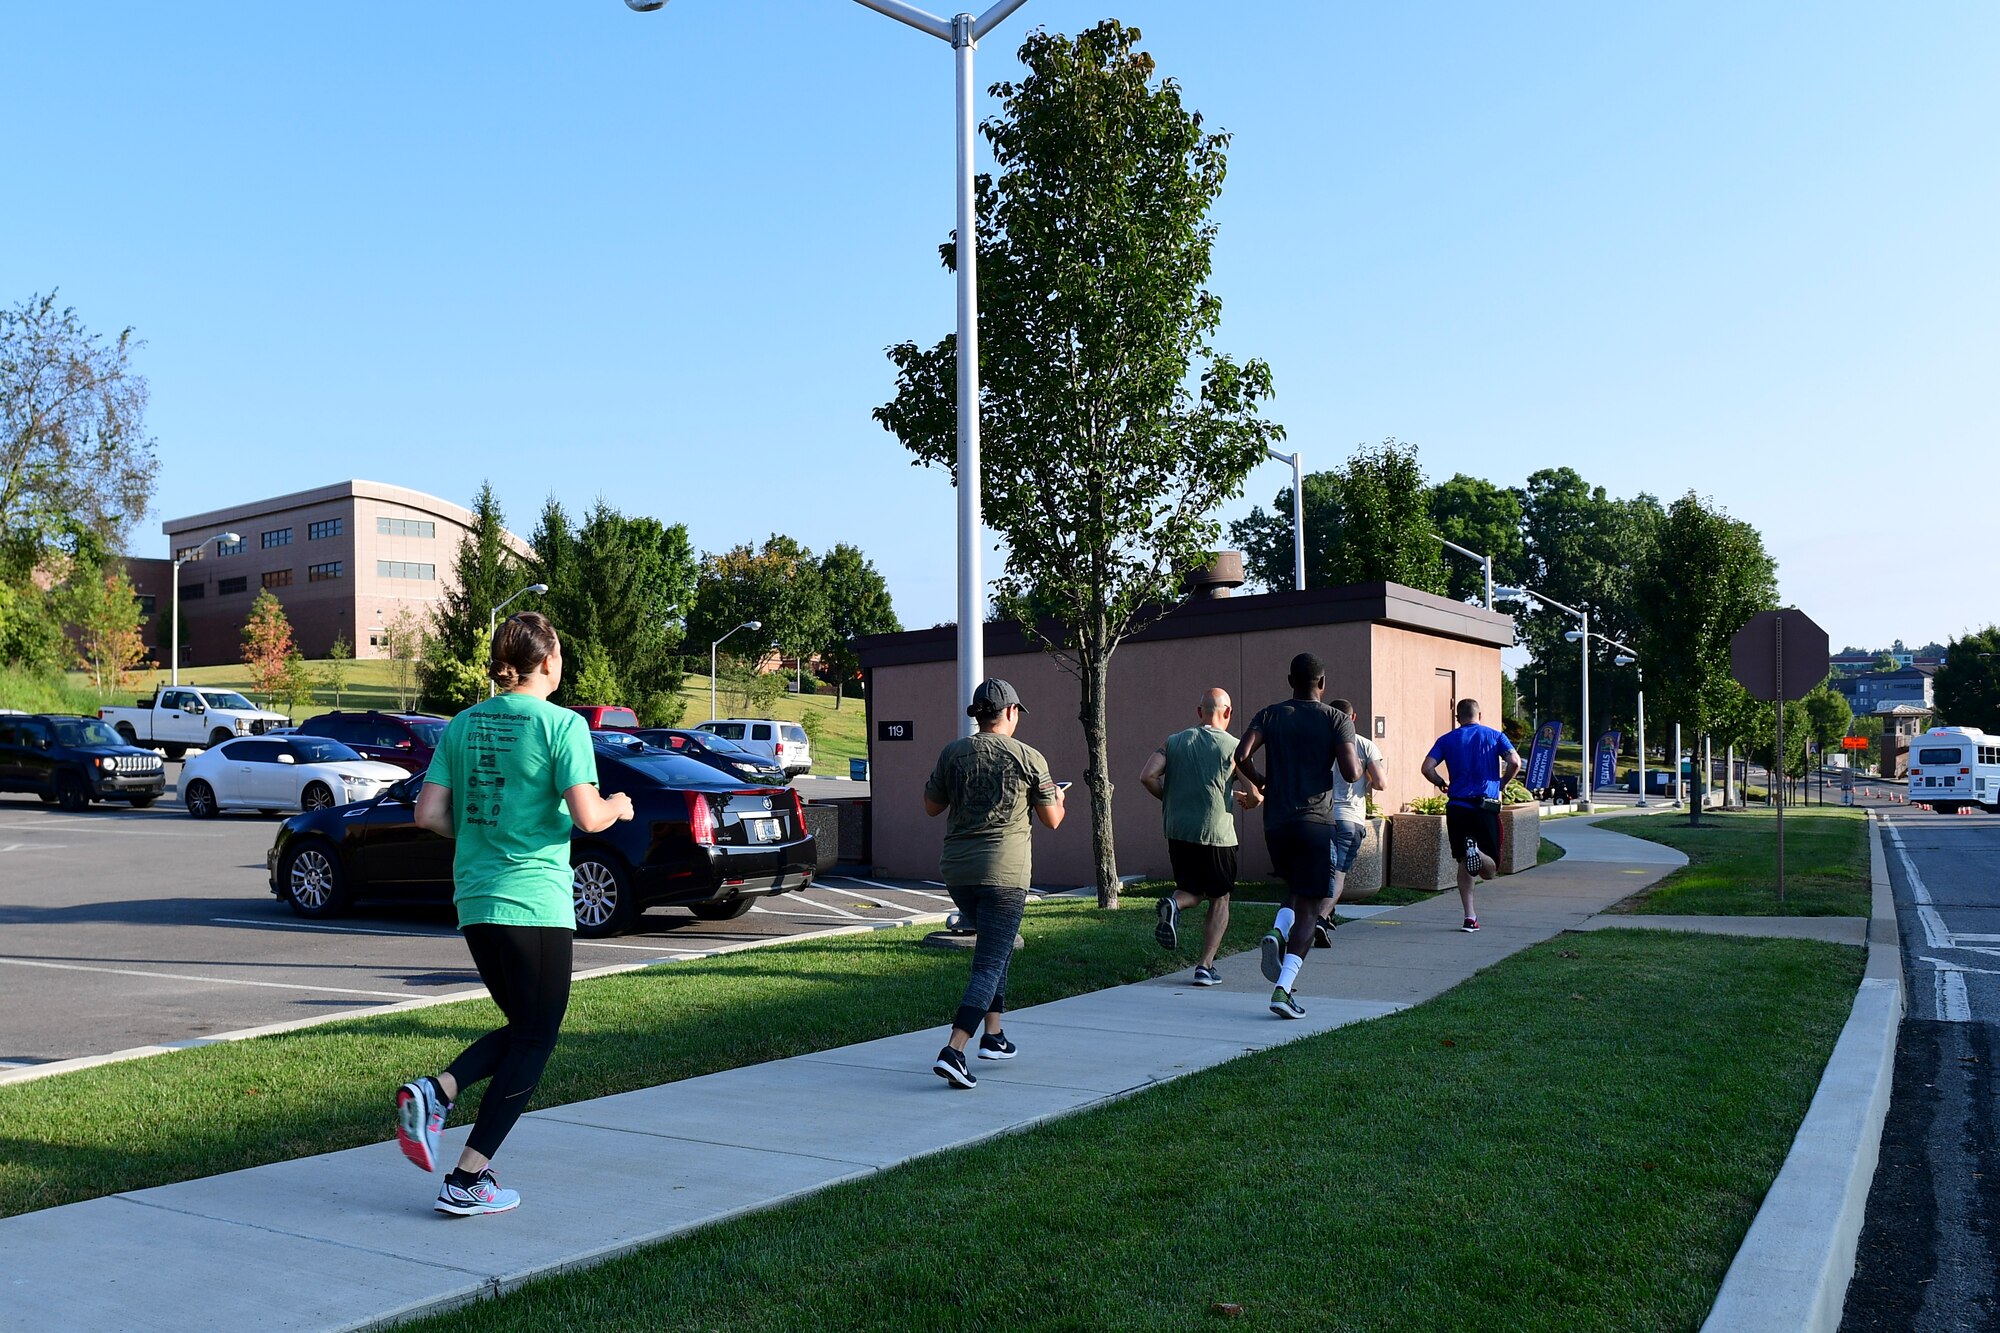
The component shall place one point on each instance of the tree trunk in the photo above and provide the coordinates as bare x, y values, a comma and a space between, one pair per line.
1698, 783
1097, 775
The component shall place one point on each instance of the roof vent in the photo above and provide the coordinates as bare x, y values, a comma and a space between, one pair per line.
1216, 579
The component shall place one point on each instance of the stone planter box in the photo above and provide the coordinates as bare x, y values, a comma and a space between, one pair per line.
1520, 837
1418, 857
1365, 880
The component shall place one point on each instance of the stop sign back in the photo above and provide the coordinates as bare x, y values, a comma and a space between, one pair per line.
1779, 655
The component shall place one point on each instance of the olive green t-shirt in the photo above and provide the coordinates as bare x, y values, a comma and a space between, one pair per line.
989, 781
1201, 762
508, 760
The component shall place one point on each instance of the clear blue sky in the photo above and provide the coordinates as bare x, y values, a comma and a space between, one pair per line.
1745, 249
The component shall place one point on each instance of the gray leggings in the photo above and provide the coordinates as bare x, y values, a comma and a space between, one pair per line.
995, 913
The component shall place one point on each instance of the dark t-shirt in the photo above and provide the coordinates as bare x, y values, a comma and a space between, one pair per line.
1301, 740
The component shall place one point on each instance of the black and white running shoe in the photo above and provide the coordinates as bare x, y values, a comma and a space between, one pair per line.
995, 1046
484, 1195
1271, 954
1168, 932
1472, 858
1284, 1006
951, 1068
420, 1114
1207, 976
1323, 932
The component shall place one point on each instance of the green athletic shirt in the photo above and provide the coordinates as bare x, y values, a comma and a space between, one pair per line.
1201, 762
989, 781
507, 762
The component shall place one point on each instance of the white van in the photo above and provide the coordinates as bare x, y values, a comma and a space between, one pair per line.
1955, 766
785, 742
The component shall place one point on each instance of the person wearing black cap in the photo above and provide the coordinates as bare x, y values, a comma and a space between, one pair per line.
1307, 743
992, 785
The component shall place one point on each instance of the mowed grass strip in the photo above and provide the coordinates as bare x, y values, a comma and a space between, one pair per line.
218, 1108
1732, 867
1575, 1139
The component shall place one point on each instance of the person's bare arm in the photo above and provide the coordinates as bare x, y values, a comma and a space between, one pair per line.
1431, 773
1153, 777
1253, 741
434, 810
1347, 755
1512, 768
935, 808
1376, 780
1051, 816
593, 812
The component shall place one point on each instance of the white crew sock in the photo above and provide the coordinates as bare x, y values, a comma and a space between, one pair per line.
1289, 973
1283, 925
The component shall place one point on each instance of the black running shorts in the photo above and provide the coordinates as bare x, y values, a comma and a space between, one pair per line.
1302, 854
1474, 822
1204, 871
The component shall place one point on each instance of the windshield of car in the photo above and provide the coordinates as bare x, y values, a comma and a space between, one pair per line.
227, 699
85, 731
427, 733
316, 751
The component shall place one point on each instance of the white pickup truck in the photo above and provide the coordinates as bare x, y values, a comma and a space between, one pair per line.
175, 720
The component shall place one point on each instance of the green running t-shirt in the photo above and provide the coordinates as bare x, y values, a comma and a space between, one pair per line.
508, 761
1201, 765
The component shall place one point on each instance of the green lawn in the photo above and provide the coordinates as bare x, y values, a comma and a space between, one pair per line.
1575, 1139
217, 1108
1732, 867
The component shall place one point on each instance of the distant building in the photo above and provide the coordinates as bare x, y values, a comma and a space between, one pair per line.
1873, 691
344, 559
1900, 723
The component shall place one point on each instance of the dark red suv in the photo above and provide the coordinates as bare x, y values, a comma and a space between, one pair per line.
406, 740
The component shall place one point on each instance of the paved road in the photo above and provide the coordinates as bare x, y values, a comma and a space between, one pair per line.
123, 928
1930, 1251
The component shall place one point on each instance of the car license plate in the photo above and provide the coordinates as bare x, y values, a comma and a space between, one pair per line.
762, 830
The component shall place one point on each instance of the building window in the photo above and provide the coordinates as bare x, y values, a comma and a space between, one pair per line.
321, 573
277, 537
326, 527
223, 587
147, 603
192, 592
189, 553
229, 548
405, 527
277, 578
404, 569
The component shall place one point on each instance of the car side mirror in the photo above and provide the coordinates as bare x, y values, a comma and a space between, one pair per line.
403, 744
197, 708
286, 759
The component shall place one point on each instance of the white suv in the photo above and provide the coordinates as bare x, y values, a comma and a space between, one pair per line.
785, 742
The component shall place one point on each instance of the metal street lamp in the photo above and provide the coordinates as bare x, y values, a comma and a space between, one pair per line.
1486, 562
1298, 513
963, 31
748, 624
493, 616
1626, 657
1574, 636
229, 538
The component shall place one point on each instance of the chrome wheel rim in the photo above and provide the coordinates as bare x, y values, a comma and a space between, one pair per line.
311, 880
318, 797
197, 798
595, 890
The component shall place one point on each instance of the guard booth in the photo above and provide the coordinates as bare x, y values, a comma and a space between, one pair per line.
1403, 657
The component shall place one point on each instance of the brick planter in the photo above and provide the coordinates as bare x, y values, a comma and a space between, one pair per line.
1418, 857
1520, 837
1365, 880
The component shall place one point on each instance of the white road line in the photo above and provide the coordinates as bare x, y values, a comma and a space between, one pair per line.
1953, 1005
831, 914
337, 930
1978, 939
893, 888
36, 847
1918, 893
1936, 933
827, 909
214, 981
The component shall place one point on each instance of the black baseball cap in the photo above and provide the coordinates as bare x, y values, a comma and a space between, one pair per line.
991, 697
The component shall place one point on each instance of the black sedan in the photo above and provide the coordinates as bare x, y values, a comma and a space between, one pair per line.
696, 839
725, 756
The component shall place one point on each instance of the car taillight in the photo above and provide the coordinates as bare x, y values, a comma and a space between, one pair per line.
701, 820
798, 809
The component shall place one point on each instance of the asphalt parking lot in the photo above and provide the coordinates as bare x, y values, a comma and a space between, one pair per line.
122, 929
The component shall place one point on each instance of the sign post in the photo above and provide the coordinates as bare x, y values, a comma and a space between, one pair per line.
1779, 656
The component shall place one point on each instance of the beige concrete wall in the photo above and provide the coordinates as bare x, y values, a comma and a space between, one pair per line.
1402, 685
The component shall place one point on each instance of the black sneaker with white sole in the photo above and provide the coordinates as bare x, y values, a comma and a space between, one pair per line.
1271, 954
1323, 932
995, 1046
1168, 932
1207, 976
1472, 865
1284, 1006
950, 1067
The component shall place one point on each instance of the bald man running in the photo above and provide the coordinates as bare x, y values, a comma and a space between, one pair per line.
1190, 775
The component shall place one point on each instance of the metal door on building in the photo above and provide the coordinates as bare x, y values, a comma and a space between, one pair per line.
1445, 690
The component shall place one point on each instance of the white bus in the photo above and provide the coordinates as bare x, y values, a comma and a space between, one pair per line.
1952, 767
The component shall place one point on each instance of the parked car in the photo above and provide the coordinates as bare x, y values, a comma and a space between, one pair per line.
784, 742
724, 756
273, 773
697, 839
406, 740
72, 761
177, 720
607, 717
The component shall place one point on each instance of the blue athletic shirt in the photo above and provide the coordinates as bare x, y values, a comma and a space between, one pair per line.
1471, 757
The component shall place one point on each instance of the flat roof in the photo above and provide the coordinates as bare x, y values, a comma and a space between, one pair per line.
1374, 603
371, 490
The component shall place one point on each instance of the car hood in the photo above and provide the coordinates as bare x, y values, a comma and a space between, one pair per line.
112, 751
374, 769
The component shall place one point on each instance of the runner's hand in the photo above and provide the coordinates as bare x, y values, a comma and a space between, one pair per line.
622, 803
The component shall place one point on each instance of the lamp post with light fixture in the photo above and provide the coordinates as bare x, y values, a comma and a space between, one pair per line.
493, 625
193, 552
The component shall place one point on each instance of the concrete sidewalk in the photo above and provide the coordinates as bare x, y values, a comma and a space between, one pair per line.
348, 1240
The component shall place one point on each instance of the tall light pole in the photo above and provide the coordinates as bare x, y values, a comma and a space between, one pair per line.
748, 624
1298, 513
493, 624
175, 592
1485, 561
963, 31
1574, 636
1626, 657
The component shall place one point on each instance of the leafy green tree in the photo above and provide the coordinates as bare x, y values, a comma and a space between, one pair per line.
1480, 517
779, 585
339, 667
1265, 538
485, 572
1705, 575
1111, 428
100, 604
596, 679
1967, 686
1887, 663
404, 639
296, 685
1385, 533
267, 643
857, 603
1828, 716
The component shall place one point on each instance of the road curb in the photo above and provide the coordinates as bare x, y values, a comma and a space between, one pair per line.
1798, 1257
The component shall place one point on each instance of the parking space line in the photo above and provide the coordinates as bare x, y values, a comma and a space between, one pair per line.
337, 930
831, 914
35, 847
893, 888
213, 981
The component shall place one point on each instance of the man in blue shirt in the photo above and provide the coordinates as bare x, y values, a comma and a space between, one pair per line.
1472, 754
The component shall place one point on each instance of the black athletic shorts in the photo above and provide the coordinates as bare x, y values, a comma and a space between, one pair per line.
1474, 822
1302, 854
1204, 871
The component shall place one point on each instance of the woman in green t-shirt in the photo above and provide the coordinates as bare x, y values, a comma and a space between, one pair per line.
509, 779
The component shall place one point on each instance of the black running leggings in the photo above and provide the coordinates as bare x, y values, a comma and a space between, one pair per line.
527, 970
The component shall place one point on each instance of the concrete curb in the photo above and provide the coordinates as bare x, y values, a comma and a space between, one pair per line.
1792, 1271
